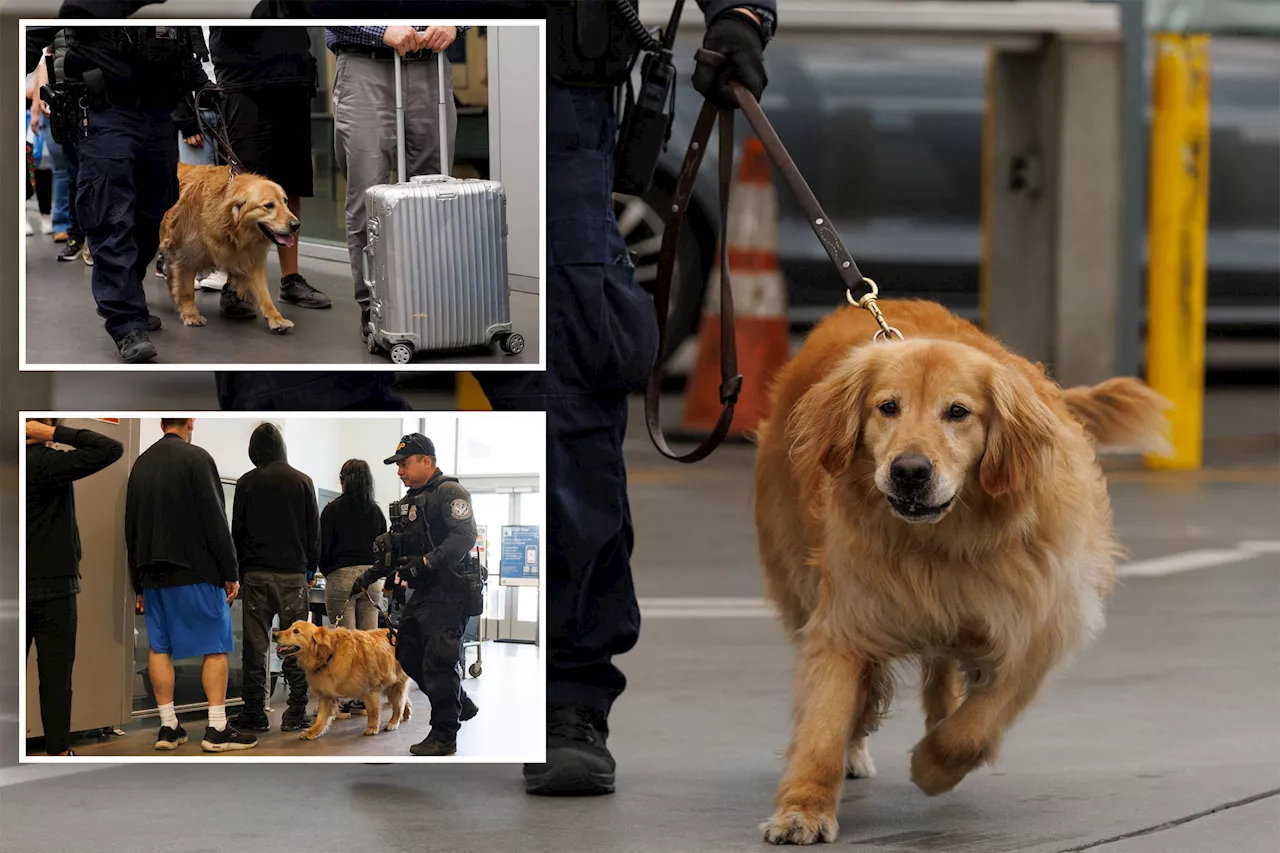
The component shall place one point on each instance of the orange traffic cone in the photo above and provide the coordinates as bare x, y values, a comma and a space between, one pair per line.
759, 303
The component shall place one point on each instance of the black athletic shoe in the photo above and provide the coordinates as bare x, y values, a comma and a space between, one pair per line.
153, 323
295, 290
71, 251
578, 762
170, 739
136, 346
364, 326
246, 721
233, 306
434, 746
294, 721
469, 709
350, 708
162, 270
228, 740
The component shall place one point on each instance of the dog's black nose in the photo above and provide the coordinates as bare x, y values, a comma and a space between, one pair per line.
910, 472
294, 225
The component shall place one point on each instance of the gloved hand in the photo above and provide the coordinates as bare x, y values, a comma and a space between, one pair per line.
410, 566
741, 42
357, 589
381, 543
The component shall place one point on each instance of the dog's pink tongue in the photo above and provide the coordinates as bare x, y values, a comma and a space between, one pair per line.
290, 240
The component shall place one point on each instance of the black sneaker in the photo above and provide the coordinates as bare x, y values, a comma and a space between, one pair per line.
578, 762
364, 326
246, 721
162, 270
136, 346
294, 721
350, 708
71, 250
469, 709
295, 290
228, 740
434, 746
153, 323
234, 306
170, 739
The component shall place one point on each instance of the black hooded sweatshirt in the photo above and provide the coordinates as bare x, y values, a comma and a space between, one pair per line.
275, 518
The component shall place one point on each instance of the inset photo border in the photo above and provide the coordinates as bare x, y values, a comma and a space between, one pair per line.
163, 507
456, 265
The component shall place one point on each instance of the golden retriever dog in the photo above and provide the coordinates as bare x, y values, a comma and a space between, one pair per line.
340, 662
229, 224
935, 501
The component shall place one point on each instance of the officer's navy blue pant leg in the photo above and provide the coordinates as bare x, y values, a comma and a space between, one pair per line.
266, 391
429, 647
602, 342
120, 199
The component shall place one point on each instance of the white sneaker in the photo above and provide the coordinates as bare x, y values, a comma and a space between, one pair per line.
213, 281
26, 227
46, 224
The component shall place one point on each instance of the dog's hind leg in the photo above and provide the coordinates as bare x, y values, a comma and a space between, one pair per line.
182, 287
324, 716
875, 701
397, 696
942, 691
254, 286
373, 711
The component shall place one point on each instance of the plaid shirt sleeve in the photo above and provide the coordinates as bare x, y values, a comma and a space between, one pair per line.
361, 36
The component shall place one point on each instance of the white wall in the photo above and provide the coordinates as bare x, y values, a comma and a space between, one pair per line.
515, 144
226, 440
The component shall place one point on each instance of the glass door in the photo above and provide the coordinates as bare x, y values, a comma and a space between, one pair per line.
511, 612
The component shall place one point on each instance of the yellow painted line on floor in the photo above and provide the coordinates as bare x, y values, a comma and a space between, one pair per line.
655, 476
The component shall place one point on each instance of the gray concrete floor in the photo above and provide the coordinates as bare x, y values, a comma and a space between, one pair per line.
1162, 737
62, 326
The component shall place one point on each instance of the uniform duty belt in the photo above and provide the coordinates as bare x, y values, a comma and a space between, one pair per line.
730, 379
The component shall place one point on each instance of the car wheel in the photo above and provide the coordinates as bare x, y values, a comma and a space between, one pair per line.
642, 222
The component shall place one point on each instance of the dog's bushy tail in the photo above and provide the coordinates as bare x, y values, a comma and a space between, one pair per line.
1122, 415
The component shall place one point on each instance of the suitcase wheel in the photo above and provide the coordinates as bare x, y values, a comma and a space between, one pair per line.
373, 345
475, 670
512, 344
401, 353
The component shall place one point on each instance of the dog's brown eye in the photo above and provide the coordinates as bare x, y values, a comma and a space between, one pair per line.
271, 205
957, 412
889, 408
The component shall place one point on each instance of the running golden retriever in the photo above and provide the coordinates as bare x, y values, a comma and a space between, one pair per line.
340, 662
228, 224
936, 500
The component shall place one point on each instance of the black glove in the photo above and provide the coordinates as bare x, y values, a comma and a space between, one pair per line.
381, 543
357, 589
409, 566
741, 42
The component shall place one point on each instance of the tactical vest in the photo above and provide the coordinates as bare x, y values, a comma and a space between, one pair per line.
588, 44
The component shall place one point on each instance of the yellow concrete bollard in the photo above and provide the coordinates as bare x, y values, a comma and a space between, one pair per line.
468, 395
1178, 225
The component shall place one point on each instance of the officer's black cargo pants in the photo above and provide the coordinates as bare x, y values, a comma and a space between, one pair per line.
429, 647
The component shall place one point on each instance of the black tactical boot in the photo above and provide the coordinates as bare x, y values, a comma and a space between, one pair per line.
434, 745
578, 762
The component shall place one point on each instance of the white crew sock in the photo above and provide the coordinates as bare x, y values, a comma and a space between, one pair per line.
168, 717
217, 717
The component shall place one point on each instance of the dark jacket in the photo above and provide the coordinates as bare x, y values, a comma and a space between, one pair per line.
275, 520
347, 532
445, 539
175, 518
245, 57
53, 537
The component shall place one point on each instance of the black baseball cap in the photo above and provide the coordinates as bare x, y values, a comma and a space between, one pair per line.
411, 444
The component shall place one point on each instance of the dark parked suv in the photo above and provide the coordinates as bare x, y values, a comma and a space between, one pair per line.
889, 137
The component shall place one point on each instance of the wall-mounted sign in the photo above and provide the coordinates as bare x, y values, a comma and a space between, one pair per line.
521, 555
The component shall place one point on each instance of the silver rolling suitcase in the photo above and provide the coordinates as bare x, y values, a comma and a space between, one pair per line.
436, 259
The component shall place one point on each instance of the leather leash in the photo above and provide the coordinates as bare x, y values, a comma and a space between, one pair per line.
730, 379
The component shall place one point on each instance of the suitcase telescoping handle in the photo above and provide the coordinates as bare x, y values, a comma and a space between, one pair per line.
442, 129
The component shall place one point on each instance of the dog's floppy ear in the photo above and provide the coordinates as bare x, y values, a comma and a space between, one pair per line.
322, 639
824, 425
1020, 438
237, 200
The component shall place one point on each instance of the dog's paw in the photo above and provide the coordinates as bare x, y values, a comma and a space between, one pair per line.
792, 825
391, 727
858, 763
280, 325
936, 768
308, 735
371, 732
193, 320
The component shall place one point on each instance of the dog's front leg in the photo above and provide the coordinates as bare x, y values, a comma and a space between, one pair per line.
373, 711
830, 695
324, 716
256, 284
971, 735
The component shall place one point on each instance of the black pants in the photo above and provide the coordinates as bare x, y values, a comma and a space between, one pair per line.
429, 647
51, 625
266, 594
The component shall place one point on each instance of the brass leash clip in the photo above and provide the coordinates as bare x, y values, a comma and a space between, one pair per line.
868, 301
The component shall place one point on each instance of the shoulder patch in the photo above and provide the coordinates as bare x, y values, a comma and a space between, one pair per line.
460, 509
